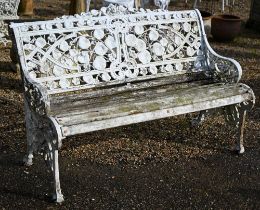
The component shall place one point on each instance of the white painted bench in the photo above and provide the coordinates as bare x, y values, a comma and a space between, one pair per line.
116, 67
127, 3
8, 11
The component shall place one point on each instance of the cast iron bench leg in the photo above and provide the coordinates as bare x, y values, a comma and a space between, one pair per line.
240, 147
51, 158
30, 135
57, 196
195, 122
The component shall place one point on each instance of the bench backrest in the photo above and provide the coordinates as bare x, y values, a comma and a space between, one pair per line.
112, 46
8, 9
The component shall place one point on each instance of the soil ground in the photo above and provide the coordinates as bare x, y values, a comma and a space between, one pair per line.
163, 164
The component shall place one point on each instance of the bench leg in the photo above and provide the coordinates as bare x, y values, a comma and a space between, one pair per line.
202, 116
51, 158
241, 124
28, 158
57, 196
236, 114
43, 134
30, 136
199, 119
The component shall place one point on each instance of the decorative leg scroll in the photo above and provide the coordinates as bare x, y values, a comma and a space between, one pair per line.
53, 143
44, 134
31, 130
58, 197
240, 145
200, 118
236, 114
51, 158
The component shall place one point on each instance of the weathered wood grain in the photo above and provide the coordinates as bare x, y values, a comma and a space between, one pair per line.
137, 102
190, 79
153, 115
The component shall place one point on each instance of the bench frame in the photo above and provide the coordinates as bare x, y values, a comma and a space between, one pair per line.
8, 11
38, 121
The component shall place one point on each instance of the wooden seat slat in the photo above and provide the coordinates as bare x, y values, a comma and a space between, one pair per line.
130, 103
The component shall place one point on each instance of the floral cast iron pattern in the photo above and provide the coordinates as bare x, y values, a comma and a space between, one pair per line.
111, 45
8, 11
223, 70
36, 99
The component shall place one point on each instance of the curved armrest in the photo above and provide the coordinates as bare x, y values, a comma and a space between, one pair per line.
221, 68
36, 96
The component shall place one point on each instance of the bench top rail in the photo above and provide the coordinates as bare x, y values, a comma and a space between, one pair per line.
111, 46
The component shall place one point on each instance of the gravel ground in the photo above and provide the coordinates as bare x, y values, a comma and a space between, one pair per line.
163, 164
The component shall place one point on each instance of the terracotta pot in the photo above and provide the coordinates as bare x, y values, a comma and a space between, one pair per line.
225, 27
206, 16
26, 7
77, 6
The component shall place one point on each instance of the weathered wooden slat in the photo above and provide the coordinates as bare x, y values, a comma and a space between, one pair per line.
74, 104
148, 116
139, 103
135, 85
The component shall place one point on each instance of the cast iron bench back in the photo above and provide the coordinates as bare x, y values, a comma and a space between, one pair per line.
110, 47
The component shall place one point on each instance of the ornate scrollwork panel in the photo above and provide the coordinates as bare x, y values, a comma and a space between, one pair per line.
43, 135
223, 69
36, 99
8, 9
114, 44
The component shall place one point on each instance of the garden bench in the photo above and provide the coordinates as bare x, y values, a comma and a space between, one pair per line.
8, 11
119, 66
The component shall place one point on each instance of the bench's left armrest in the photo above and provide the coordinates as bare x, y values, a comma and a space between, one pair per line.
36, 96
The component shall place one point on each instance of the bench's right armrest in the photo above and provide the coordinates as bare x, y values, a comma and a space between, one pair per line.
221, 68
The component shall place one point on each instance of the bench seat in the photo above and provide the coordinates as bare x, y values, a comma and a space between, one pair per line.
96, 113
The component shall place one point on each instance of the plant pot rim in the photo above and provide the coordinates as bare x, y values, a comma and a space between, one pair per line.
227, 17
